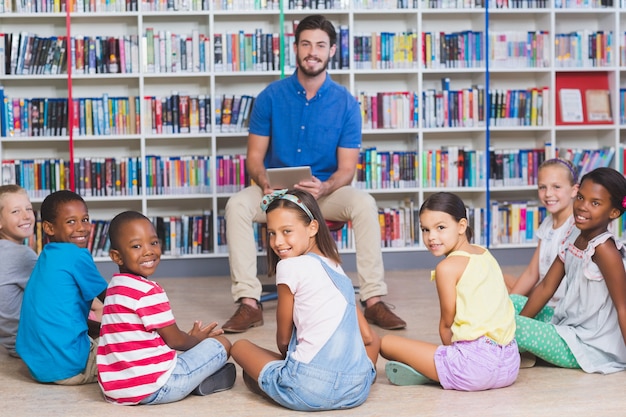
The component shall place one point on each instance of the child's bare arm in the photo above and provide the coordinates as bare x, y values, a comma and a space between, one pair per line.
546, 289
447, 275
96, 308
609, 261
529, 278
179, 340
284, 318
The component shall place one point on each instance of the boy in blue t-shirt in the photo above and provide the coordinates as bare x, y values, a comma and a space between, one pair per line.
52, 336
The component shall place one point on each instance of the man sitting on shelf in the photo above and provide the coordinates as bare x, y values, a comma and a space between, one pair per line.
306, 119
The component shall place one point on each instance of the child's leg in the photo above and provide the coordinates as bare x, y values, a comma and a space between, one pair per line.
519, 301
542, 340
418, 355
252, 359
192, 368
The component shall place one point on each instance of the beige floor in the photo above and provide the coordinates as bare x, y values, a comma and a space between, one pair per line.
539, 391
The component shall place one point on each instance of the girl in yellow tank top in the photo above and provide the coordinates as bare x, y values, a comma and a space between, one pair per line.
477, 324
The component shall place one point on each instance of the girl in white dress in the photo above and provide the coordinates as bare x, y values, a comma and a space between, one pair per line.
588, 329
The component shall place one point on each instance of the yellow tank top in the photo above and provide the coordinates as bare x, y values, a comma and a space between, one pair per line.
483, 306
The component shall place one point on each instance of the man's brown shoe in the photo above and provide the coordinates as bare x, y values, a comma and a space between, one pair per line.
244, 318
380, 315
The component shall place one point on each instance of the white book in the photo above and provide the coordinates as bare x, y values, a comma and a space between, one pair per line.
195, 46
168, 51
159, 45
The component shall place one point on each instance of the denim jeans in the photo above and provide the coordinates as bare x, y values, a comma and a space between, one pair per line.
192, 367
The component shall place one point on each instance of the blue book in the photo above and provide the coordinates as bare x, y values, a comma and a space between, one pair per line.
344, 34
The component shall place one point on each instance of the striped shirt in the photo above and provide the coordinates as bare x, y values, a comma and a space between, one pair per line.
133, 360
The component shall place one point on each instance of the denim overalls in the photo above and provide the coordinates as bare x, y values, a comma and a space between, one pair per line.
339, 376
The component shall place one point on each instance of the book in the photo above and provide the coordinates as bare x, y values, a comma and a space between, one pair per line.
571, 103
598, 103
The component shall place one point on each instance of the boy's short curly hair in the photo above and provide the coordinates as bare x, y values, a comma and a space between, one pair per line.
51, 204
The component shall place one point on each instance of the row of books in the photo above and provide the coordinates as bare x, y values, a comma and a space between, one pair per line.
518, 4
26, 53
453, 166
389, 110
452, 4
175, 5
385, 50
251, 51
465, 49
92, 176
99, 116
61, 6
384, 4
519, 107
584, 48
453, 108
515, 222
585, 160
167, 52
514, 167
170, 175
514, 49
177, 113
386, 169
183, 113
586, 4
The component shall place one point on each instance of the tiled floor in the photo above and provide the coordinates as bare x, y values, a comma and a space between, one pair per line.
539, 391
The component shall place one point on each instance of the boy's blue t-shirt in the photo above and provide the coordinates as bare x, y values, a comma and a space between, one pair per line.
52, 334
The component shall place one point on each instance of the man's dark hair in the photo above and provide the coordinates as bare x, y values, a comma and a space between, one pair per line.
317, 21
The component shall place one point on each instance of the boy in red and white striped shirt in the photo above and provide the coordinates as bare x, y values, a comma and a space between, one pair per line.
137, 356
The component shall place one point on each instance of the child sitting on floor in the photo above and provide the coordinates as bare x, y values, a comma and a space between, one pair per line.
52, 336
477, 324
139, 337
588, 328
17, 223
327, 351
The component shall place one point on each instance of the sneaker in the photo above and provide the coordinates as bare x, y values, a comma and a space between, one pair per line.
380, 315
399, 373
244, 318
222, 380
527, 360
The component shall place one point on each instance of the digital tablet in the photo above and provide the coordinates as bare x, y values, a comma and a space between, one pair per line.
288, 177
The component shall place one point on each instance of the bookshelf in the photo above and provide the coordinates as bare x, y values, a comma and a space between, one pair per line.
469, 94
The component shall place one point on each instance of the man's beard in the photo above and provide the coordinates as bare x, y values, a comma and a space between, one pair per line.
312, 73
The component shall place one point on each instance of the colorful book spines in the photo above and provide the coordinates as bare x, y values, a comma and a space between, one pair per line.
386, 169
514, 167
584, 48
185, 234
386, 50
167, 175
177, 114
519, 107
452, 4
515, 222
174, 5
585, 160
231, 173
167, 52
389, 110
519, 49
250, 51
464, 49
453, 108
452, 166
93, 176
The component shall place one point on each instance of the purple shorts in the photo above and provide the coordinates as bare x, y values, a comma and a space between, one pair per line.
477, 365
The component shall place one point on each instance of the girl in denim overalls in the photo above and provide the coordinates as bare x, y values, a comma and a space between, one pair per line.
328, 353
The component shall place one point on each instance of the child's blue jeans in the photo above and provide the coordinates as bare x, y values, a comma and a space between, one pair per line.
192, 367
